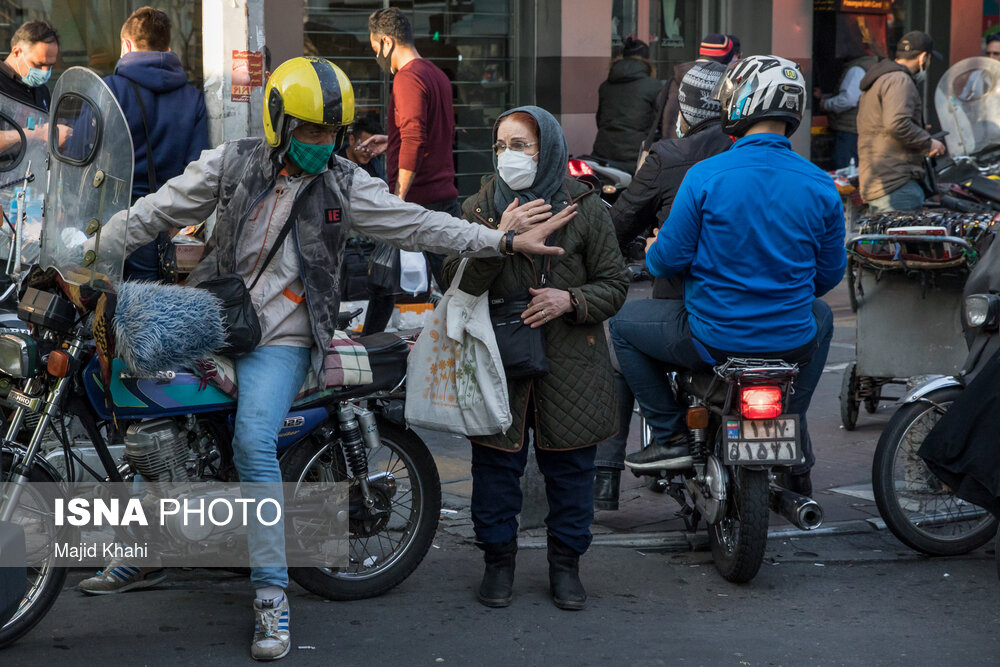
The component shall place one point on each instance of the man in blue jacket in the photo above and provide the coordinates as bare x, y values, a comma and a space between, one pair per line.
166, 116
758, 234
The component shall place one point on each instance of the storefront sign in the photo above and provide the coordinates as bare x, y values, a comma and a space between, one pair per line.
866, 6
248, 72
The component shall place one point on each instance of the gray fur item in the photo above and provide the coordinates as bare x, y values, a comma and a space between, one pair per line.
166, 327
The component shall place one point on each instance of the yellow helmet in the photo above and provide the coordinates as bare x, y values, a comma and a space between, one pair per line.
310, 89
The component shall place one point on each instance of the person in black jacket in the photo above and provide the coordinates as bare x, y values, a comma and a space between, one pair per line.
646, 204
626, 107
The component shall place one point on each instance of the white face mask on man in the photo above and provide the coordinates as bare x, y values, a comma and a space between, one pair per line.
517, 169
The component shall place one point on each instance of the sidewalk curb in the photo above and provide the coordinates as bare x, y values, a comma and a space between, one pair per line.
678, 540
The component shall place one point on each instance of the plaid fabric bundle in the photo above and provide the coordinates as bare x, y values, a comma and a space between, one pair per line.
346, 363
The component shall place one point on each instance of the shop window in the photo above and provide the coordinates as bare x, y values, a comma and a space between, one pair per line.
470, 40
90, 30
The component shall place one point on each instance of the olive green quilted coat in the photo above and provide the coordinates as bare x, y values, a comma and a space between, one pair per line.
575, 402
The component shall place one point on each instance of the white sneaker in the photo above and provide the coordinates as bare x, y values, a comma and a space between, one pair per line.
271, 638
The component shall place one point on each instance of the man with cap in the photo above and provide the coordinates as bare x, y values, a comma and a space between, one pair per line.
646, 204
892, 139
715, 47
626, 107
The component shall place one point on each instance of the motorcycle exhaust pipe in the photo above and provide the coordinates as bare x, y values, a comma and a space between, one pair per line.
805, 513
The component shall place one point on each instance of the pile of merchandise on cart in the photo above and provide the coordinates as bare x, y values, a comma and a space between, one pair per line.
907, 239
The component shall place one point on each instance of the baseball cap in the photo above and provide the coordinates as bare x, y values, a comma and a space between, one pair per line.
914, 43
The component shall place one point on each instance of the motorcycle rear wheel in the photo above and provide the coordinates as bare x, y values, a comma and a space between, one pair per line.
381, 556
919, 510
44, 583
739, 539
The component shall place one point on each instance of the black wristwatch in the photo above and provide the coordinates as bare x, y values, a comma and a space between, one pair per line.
507, 244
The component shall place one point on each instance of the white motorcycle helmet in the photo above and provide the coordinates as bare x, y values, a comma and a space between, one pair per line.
761, 88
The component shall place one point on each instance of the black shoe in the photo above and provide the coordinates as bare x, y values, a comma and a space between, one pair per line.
497, 586
564, 576
673, 455
606, 486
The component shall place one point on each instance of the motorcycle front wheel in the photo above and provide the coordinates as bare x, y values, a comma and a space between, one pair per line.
739, 539
921, 511
385, 549
46, 581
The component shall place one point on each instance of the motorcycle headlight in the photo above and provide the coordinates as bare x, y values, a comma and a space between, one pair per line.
18, 355
982, 311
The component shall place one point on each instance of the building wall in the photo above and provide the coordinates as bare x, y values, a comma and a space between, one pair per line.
585, 58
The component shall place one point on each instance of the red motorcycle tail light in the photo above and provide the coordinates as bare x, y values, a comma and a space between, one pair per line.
760, 402
578, 168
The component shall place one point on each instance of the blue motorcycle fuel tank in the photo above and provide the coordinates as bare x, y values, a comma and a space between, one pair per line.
174, 393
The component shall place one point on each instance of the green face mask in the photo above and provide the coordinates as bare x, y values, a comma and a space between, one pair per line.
312, 158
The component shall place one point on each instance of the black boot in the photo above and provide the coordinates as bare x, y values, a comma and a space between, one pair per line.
564, 576
606, 486
497, 587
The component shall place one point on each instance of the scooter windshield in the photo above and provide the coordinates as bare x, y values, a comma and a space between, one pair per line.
23, 131
89, 181
967, 100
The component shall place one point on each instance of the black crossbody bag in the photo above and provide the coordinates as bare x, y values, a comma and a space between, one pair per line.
522, 349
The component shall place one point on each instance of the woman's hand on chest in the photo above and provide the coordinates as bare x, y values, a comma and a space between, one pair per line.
546, 304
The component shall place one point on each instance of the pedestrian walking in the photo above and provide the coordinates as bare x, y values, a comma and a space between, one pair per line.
892, 139
569, 409
166, 118
626, 106
420, 121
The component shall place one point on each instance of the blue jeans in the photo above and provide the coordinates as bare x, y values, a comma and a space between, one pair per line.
269, 378
569, 488
652, 338
845, 147
905, 198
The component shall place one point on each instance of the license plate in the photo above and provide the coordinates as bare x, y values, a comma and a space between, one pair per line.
762, 441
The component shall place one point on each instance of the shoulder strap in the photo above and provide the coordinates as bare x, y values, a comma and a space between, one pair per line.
150, 166
293, 214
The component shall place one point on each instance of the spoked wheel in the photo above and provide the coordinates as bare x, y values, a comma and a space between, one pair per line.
918, 509
389, 541
739, 539
34, 513
849, 402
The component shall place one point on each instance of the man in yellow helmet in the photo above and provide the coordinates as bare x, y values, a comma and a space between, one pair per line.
256, 187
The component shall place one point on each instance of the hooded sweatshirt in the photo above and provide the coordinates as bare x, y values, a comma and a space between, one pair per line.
626, 110
892, 140
175, 114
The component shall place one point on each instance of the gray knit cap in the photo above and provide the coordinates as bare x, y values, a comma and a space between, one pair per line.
695, 92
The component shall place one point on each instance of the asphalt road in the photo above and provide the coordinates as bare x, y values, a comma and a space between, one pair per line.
841, 600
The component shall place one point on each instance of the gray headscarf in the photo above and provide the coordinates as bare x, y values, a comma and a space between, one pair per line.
552, 158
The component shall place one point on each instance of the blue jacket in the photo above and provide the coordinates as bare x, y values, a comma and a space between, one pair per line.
759, 232
175, 112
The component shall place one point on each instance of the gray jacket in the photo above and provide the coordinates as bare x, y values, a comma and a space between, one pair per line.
233, 178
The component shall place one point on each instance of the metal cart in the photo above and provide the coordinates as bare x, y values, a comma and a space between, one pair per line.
908, 308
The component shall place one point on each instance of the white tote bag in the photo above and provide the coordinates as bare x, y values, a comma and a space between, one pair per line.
454, 376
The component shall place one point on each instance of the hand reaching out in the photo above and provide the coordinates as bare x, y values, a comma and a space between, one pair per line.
532, 241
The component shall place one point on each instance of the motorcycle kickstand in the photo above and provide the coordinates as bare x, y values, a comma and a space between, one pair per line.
689, 514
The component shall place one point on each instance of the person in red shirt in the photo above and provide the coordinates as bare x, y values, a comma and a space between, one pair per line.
420, 121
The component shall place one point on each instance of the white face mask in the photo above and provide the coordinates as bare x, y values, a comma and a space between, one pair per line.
517, 169
680, 132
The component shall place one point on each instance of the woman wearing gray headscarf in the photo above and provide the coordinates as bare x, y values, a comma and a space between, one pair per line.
570, 408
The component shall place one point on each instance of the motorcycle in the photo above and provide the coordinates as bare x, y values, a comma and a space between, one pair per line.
919, 509
610, 181
171, 425
740, 433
